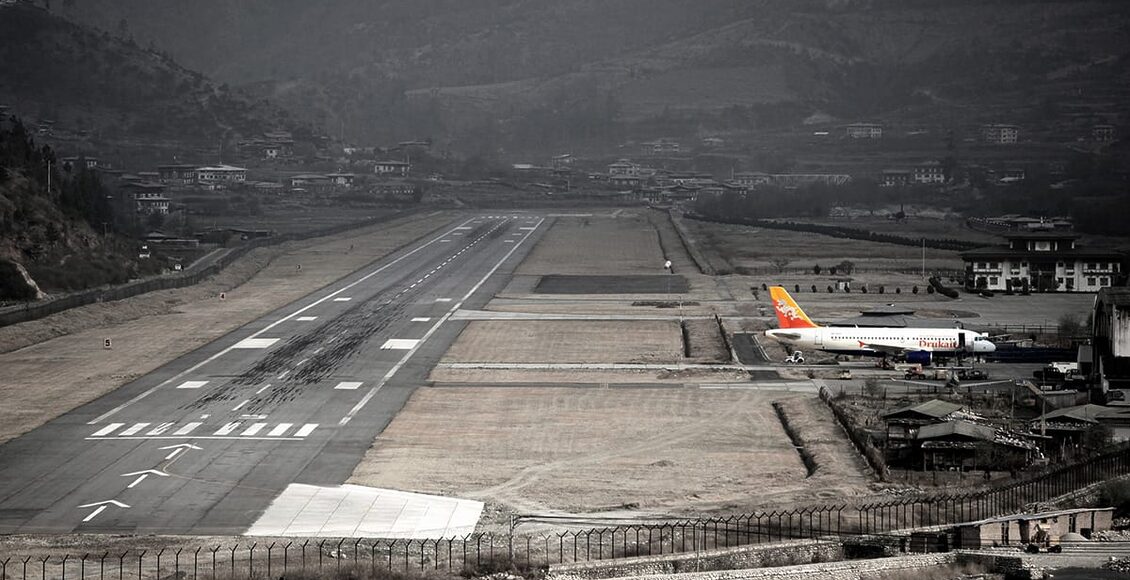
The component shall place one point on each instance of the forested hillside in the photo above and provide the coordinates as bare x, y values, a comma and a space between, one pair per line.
112, 88
520, 73
60, 228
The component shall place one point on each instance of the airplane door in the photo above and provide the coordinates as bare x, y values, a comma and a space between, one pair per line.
819, 337
960, 341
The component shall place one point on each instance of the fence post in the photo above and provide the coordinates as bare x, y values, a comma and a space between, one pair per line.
122, 564
270, 553
250, 561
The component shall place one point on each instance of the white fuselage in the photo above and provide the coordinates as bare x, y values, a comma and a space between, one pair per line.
883, 341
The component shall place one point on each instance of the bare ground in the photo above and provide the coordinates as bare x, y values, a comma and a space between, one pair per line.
672, 451
58, 363
627, 244
567, 341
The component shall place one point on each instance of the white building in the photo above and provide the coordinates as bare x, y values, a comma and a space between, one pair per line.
221, 174
1046, 261
392, 168
929, 173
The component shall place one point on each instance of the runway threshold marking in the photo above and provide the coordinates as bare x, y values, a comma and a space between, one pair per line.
391, 372
330, 296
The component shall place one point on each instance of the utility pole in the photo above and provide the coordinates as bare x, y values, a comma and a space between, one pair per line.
48, 177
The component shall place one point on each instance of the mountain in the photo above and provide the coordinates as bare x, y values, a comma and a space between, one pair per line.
95, 84
549, 72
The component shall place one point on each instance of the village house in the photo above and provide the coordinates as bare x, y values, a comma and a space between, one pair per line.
751, 179
70, 163
392, 168
1041, 261
624, 168
176, 174
310, 182
1110, 350
659, 147
864, 131
342, 180
1102, 133
968, 446
929, 173
1070, 426
148, 197
894, 178
902, 424
1000, 134
221, 174
1044, 528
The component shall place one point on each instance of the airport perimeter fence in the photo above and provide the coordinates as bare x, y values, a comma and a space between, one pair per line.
481, 553
193, 275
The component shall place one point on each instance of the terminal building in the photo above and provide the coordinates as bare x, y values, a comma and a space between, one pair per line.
1042, 261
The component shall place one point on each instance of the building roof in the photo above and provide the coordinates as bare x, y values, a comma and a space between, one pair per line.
1115, 296
1003, 252
393, 163
962, 428
1083, 413
934, 408
1038, 516
221, 168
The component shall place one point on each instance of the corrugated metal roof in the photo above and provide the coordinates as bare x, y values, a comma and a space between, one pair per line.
963, 428
935, 408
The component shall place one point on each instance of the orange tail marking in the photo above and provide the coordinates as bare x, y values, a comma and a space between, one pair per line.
789, 315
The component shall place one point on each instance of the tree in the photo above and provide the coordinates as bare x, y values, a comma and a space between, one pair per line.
1069, 326
846, 267
780, 264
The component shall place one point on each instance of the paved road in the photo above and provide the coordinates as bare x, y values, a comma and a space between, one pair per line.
203, 444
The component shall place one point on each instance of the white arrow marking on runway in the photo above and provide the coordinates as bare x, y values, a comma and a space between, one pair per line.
102, 505
141, 475
179, 448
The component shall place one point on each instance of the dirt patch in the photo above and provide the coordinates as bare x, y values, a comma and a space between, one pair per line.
549, 450
627, 244
61, 364
557, 284
840, 470
567, 341
704, 343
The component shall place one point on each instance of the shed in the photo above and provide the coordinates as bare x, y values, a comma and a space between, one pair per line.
1045, 528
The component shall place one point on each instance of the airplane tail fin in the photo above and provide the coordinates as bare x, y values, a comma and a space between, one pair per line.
789, 315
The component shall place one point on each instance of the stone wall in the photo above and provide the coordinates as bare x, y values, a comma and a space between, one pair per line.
848, 570
777, 554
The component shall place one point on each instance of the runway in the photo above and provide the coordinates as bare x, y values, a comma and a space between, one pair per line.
205, 443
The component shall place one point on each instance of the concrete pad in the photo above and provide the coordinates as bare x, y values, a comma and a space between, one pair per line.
351, 511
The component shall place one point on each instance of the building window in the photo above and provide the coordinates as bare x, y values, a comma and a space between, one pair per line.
993, 281
1104, 281
1090, 281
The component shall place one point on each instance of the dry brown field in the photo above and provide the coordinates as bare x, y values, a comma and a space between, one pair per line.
57, 363
552, 450
567, 341
628, 244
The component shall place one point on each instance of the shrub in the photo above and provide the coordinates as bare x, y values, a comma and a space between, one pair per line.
914, 289
898, 290
1117, 495
797, 288
864, 289
814, 288
830, 290
929, 289
882, 289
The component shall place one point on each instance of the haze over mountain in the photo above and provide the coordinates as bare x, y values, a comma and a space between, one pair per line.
543, 73
110, 89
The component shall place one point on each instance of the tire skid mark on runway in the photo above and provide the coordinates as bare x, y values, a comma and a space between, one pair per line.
290, 316
347, 334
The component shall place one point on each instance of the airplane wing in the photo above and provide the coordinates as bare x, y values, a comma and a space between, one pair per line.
889, 349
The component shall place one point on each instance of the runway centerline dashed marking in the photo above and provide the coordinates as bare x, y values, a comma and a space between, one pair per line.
192, 384
399, 344
348, 385
306, 318
313, 304
421, 319
343, 299
256, 343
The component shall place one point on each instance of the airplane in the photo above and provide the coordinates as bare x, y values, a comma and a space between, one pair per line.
916, 345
